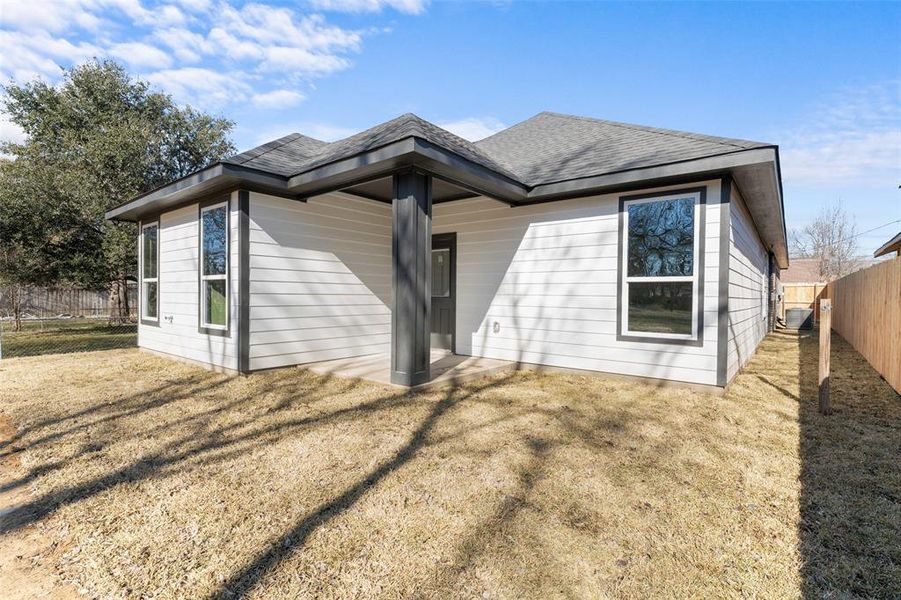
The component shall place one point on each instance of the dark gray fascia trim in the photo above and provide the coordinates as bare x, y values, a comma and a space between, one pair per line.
408, 152
781, 204
415, 151
141, 224
488, 182
215, 178
696, 167
699, 263
347, 171
722, 330
244, 281
212, 331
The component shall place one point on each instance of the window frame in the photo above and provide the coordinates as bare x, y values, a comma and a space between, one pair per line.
696, 337
202, 326
146, 320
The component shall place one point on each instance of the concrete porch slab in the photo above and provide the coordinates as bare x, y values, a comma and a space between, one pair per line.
446, 368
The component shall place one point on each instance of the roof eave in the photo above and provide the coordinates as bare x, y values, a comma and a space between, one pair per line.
892, 245
216, 177
755, 170
409, 152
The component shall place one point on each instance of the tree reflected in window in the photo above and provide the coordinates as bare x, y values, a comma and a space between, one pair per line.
659, 284
661, 238
215, 241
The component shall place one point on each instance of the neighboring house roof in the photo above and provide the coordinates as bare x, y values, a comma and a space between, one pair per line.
893, 245
547, 157
802, 270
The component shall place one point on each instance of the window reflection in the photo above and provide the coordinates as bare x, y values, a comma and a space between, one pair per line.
215, 240
661, 238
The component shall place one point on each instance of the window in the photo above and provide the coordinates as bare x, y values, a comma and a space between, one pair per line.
150, 287
441, 273
660, 270
214, 267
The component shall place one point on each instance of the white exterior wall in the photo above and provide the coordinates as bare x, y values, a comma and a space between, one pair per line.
547, 274
748, 265
177, 333
320, 279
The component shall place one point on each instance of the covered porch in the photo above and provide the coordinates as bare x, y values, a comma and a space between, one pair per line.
445, 368
423, 289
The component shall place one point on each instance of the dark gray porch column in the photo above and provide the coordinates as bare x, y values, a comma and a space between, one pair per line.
412, 278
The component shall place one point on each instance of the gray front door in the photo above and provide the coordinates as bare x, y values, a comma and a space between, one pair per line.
444, 290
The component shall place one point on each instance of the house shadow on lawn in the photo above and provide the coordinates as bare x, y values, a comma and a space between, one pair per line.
850, 498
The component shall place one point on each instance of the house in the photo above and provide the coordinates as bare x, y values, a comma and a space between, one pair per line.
803, 270
563, 241
893, 245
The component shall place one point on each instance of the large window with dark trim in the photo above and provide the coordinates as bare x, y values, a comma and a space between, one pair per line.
150, 286
660, 266
214, 266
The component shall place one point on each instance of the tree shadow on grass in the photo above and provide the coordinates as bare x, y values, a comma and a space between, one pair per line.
198, 440
850, 526
200, 445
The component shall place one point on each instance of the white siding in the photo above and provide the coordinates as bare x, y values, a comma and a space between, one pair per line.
320, 279
178, 333
748, 288
547, 275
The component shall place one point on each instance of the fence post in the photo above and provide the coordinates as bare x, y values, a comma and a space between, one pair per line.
825, 346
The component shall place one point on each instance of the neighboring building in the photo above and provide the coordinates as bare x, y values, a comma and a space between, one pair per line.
802, 270
562, 241
893, 245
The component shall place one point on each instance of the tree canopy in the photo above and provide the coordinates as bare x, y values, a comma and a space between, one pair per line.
95, 140
832, 239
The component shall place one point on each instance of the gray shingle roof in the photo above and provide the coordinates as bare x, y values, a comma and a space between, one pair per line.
546, 148
296, 153
279, 156
552, 147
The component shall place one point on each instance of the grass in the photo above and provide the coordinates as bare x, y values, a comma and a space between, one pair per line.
157, 479
62, 336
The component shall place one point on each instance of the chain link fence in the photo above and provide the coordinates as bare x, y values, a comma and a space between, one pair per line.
38, 321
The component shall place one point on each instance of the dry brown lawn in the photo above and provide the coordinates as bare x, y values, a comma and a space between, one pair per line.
155, 479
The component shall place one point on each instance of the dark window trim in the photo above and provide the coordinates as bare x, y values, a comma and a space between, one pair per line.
159, 317
215, 331
699, 265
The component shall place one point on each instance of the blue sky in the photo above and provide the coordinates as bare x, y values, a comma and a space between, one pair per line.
822, 80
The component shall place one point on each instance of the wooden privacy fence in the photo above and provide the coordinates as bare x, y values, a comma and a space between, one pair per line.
35, 302
802, 295
866, 311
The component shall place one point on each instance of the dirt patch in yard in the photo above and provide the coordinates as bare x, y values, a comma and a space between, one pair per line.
158, 479
26, 557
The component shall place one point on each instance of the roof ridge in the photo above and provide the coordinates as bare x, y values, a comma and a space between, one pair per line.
412, 125
515, 125
663, 131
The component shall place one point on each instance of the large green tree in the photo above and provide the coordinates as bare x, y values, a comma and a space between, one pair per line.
95, 140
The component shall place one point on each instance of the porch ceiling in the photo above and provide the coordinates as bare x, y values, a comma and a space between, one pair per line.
383, 190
